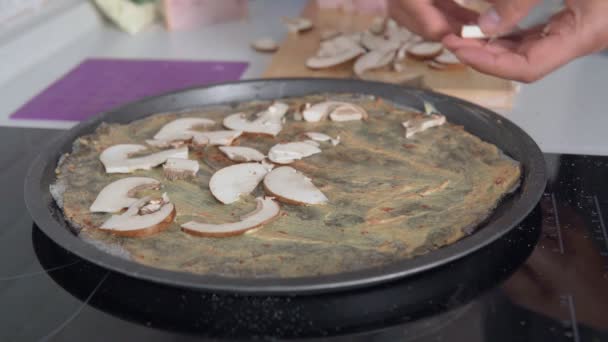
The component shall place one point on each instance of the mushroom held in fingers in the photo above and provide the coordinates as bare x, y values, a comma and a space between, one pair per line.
242, 153
266, 210
421, 123
290, 186
116, 158
143, 218
176, 168
119, 194
290, 152
229, 183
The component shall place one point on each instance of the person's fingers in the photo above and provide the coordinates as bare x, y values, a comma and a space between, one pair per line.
421, 16
456, 11
529, 62
504, 15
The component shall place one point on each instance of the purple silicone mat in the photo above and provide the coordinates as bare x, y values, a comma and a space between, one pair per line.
97, 85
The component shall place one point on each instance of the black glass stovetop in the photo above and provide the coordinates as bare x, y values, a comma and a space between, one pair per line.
559, 294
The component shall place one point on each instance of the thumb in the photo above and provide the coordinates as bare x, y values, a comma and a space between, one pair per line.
504, 15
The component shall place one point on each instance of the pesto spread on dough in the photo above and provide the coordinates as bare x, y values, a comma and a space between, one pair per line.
389, 197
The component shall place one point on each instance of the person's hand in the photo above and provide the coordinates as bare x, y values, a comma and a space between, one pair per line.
431, 19
580, 29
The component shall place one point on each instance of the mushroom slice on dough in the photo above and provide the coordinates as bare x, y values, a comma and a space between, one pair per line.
269, 121
181, 129
422, 123
116, 158
143, 218
229, 183
242, 153
345, 111
289, 152
266, 210
322, 137
213, 138
290, 186
119, 194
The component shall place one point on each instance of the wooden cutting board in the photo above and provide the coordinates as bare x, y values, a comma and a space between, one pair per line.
465, 83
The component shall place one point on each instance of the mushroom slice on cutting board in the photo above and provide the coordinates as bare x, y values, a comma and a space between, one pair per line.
290, 152
176, 168
266, 210
143, 218
181, 129
265, 44
321, 110
290, 186
213, 138
322, 137
425, 50
119, 194
334, 52
373, 60
297, 25
116, 158
269, 121
421, 123
229, 183
242, 153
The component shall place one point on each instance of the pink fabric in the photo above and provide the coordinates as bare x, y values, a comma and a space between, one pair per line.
187, 14
363, 6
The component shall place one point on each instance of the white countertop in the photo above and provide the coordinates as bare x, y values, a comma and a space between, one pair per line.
564, 112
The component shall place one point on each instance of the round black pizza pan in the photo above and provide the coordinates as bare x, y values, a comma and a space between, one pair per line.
481, 122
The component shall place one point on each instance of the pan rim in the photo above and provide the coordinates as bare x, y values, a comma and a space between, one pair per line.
485, 235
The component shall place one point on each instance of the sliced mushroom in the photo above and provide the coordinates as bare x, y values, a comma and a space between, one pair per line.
266, 210
448, 60
265, 44
119, 194
268, 122
329, 34
180, 168
291, 186
316, 136
373, 42
421, 123
242, 153
312, 142
472, 31
425, 50
321, 110
348, 112
378, 25
318, 62
290, 152
297, 25
181, 129
335, 51
373, 60
213, 138
229, 183
116, 158
135, 223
